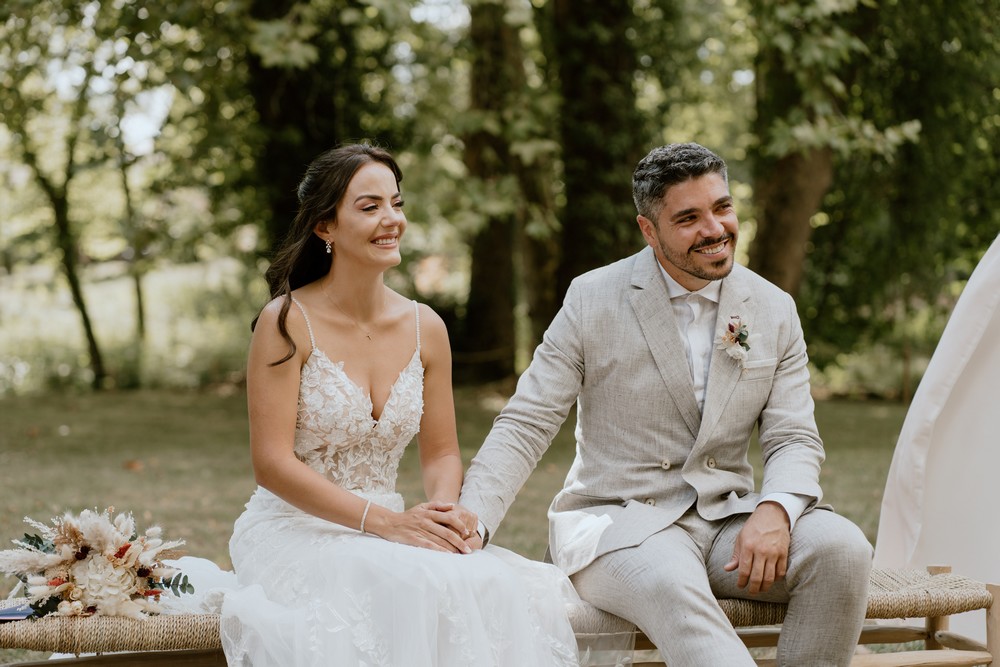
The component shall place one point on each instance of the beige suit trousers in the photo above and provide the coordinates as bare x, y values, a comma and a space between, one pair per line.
668, 586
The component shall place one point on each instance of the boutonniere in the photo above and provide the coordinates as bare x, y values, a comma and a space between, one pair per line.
734, 338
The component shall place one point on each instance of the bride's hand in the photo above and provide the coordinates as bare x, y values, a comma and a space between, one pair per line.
432, 525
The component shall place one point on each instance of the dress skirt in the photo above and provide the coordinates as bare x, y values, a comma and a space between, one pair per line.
313, 592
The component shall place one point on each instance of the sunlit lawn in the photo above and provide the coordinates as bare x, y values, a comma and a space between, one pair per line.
180, 459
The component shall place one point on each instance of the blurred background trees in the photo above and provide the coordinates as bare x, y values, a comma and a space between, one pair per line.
151, 153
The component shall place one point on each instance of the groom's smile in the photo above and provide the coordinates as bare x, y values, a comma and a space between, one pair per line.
694, 235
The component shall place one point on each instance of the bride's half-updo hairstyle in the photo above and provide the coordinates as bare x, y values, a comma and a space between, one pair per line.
302, 257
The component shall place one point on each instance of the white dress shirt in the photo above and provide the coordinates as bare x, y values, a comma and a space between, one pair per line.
697, 314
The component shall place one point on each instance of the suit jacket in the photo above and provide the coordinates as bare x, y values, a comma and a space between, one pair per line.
644, 453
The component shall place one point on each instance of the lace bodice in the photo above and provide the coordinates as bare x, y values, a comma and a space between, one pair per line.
336, 434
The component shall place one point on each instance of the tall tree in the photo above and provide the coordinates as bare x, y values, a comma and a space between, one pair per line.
81, 73
489, 335
900, 233
805, 49
309, 61
601, 132
508, 158
31, 41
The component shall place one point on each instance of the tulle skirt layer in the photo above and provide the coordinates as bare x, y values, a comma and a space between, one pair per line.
315, 593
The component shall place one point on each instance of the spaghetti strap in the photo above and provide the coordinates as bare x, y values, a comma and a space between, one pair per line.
416, 310
312, 339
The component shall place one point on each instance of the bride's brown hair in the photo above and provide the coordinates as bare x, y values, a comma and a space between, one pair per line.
302, 257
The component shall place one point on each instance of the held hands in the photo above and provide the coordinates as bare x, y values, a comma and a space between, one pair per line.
441, 526
761, 550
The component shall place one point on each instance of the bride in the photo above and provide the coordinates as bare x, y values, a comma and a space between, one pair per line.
342, 373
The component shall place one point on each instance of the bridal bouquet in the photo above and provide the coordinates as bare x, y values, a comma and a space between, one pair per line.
94, 564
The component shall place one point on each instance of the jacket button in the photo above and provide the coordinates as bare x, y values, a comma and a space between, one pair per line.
665, 465
650, 501
711, 462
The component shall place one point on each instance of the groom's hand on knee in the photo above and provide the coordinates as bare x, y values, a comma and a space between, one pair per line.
761, 550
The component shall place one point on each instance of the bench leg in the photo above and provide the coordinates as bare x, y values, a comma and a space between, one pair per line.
993, 624
935, 624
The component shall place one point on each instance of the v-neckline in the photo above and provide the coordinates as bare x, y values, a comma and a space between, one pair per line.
367, 398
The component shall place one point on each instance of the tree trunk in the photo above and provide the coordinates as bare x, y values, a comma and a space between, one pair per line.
67, 245
788, 188
788, 195
135, 248
302, 112
488, 344
538, 252
601, 133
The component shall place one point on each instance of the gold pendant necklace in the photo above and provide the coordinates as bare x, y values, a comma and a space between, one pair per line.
366, 332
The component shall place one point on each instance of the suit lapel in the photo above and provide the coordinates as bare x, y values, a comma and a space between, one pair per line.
724, 371
659, 327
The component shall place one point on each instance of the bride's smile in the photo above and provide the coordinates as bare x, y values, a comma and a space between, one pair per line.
370, 220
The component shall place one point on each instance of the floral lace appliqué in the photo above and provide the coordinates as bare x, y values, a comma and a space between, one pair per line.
336, 434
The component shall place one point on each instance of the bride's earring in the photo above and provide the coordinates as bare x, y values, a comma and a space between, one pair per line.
329, 247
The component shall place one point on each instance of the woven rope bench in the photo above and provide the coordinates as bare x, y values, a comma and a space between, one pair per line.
892, 594
193, 639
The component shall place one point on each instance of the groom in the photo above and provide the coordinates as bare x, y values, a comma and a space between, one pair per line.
672, 357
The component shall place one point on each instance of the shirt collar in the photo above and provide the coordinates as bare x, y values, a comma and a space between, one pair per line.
711, 291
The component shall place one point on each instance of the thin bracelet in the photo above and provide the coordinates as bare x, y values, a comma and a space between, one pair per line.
364, 515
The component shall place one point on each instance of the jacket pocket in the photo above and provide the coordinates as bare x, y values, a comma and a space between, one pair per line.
759, 369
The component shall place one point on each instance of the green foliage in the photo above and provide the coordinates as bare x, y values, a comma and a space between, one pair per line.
45, 607
150, 122
899, 238
696, 81
806, 49
285, 42
177, 584
38, 543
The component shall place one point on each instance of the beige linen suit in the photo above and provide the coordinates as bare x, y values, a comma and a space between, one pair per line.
645, 454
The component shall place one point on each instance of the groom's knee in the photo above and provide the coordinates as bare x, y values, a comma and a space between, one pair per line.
829, 547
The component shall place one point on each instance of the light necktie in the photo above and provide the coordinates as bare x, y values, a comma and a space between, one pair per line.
685, 320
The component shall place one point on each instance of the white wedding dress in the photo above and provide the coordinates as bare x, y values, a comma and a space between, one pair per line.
312, 592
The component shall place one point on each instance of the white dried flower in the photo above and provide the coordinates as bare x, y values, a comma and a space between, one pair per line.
104, 586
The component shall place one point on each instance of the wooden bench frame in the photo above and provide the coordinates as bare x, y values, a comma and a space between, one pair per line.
193, 640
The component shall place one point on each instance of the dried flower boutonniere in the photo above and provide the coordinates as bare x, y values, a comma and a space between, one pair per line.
734, 339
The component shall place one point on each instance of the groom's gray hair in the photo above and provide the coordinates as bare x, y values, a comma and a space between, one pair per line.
666, 166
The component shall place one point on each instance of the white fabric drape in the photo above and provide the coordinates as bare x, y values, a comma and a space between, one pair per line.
941, 500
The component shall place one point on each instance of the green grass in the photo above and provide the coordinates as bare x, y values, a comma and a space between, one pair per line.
181, 460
